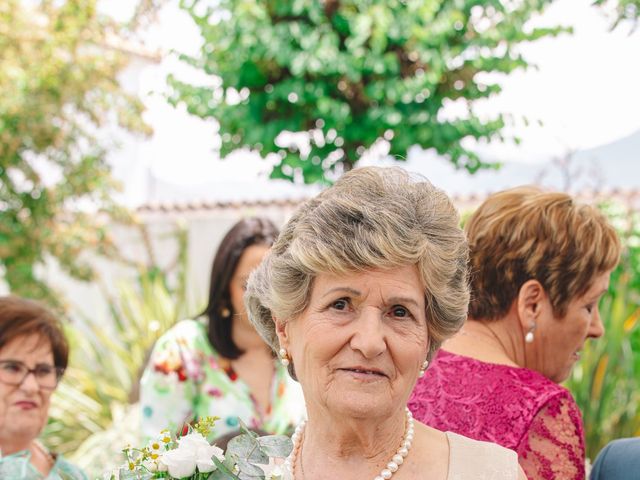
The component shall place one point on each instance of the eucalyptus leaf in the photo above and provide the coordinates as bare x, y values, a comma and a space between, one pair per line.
245, 430
248, 471
222, 472
276, 445
246, 447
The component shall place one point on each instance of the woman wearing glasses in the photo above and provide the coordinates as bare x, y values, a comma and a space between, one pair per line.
33, 356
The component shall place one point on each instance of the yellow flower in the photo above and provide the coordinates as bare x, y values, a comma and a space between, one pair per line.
157, 446
165, 436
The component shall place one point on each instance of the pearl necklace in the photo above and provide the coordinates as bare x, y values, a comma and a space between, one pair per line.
385, 474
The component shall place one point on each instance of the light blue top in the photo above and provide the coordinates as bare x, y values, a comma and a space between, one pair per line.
18, 466
618, 460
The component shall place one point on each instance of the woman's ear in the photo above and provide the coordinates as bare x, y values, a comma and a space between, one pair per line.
529, 303
282, 332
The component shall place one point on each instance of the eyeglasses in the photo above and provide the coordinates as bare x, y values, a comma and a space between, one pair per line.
13, 372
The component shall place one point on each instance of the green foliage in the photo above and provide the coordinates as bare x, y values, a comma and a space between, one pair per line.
248, 451
349, 73
625, 10
244, 458
106, 363
58, 77
606, 381
205, 426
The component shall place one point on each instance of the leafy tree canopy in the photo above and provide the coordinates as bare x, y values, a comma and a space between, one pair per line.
623, 10
58, 71
350, 73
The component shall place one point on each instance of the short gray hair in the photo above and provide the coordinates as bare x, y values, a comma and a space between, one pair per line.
371, 218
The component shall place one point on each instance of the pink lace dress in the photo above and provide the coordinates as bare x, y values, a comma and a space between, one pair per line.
513, 407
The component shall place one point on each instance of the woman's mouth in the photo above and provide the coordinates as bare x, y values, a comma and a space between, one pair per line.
26, 405
364, 372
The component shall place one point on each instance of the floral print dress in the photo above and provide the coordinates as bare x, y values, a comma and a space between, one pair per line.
186, 379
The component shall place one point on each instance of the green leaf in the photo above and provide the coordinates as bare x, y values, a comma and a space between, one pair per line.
279, 446
222, 472
246, 447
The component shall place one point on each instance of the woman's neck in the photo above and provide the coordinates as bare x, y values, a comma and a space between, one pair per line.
346, 447
499, 341
245, 336
14, 445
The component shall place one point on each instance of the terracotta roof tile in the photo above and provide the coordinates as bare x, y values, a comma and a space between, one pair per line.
628, 196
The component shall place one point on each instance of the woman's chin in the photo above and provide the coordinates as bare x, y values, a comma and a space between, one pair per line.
25, 428
361, 405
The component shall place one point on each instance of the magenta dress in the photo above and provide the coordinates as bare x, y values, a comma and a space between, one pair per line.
514, 407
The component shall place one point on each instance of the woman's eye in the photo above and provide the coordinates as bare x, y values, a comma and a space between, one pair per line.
45, 371
12, 367
340, 304
590, 308
399, 311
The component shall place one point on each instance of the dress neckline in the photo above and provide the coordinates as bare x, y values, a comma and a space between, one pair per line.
497, 366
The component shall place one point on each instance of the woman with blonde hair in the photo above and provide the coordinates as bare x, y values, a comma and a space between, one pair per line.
540, 262
363, 284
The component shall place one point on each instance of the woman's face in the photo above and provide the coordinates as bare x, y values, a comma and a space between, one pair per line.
249, 260
24, 408
558, 341
358, 347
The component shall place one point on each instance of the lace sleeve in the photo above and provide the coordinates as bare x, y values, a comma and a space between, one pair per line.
553, 447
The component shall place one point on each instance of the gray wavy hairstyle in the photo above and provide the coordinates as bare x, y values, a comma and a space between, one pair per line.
371, 218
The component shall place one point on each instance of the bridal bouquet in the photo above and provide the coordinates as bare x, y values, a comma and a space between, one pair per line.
192, 457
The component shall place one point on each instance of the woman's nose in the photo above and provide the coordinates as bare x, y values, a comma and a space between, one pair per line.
596, 329
368, 337
30, 384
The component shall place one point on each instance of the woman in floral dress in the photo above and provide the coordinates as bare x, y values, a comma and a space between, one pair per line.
218, 364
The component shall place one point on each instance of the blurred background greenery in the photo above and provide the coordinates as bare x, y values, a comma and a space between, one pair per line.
606, 381
94, 413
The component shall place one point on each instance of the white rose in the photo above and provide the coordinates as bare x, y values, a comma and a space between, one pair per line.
274, 470
180, 462
193, 451
192, 442
276, 473
204, 458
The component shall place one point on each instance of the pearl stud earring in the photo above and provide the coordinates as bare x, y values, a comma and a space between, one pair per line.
423, 368
528, 338
284, 357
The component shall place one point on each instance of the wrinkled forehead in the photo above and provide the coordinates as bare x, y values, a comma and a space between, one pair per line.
402, 281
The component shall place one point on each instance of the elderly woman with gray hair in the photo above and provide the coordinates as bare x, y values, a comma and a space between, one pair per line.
362, 286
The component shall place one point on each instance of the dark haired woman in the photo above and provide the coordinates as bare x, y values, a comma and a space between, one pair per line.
33, 356
219, 365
